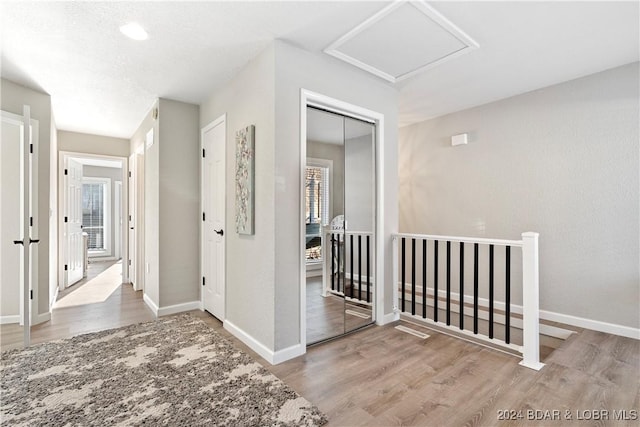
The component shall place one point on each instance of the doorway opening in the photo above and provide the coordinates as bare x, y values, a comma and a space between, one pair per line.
92, 241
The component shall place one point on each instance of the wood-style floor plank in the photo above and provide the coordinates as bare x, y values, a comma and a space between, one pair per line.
380, 376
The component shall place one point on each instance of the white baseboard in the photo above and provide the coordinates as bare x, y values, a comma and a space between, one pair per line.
267, 354
55, 297
595, 325
179, 308
41, 318
288, 353
150, 304
4, 320
581, 322
388, 318
253, 343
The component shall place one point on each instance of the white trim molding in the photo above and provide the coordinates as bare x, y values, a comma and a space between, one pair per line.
179, 308
152, 305
595, 325
4, 320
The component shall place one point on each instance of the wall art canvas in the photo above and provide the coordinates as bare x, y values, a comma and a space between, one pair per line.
245, 159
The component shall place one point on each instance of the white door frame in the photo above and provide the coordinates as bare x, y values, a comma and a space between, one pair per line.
217, 122
62, 156
117, 221
309, 98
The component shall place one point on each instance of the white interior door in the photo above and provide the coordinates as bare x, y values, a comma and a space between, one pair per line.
213, 207
73, 220
11, 216
132, 220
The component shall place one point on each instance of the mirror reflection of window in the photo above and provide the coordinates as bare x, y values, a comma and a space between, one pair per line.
317, 209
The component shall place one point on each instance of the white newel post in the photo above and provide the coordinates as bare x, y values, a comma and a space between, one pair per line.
326, 260
530, 302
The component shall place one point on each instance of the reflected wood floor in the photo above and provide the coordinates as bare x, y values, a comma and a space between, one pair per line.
383, 377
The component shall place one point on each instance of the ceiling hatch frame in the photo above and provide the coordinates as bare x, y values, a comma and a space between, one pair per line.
421, 7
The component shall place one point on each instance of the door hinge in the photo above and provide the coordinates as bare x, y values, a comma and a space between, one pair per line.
203, 216
66, 171
31, 221
129, 262
66, 267
203, 152
129, 174
31, 148
31, 294
202, 280
66, 219
129, 217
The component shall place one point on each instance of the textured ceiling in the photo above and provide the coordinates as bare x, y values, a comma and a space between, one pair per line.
104, 83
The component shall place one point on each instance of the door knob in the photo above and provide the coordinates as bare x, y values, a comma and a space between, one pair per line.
220, 232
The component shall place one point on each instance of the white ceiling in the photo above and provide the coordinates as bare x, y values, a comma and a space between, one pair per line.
104, 83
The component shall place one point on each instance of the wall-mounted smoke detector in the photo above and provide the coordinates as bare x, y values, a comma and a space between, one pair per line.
134, 31
402, 40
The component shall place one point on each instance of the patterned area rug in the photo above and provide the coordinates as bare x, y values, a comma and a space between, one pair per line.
175, 371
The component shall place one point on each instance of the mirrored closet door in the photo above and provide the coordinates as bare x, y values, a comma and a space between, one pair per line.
339, 204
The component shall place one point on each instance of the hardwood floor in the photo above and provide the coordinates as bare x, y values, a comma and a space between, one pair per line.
382, 377
124, 307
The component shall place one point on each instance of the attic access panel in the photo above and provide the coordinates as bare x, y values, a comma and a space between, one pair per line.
403, 39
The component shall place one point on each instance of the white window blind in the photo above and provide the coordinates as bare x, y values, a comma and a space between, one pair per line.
317, 195
94, 213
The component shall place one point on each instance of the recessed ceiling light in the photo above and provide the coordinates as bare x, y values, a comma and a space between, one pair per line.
134, 31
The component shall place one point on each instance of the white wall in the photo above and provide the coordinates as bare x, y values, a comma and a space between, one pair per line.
562, 161
12, 98
114, 174
297, 69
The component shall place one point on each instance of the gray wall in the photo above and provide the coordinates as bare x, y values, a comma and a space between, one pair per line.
151, 243
12, 99
334, 152
297, 69
171, 203
360, 183
562, 161
179, 202
250, 260
92, 144
114, 174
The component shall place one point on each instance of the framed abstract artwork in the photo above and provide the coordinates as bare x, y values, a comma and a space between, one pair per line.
245, 159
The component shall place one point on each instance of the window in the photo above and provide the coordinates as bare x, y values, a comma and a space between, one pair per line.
317, 197
96, 205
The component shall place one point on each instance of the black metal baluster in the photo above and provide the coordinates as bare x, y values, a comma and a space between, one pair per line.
368, 272
461, 285
490, 291
402, 284
475, 288
413, 276
448, 283
424, 279
435, 264
507, 314
351, 271
360, 267
333, 261
339, 264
